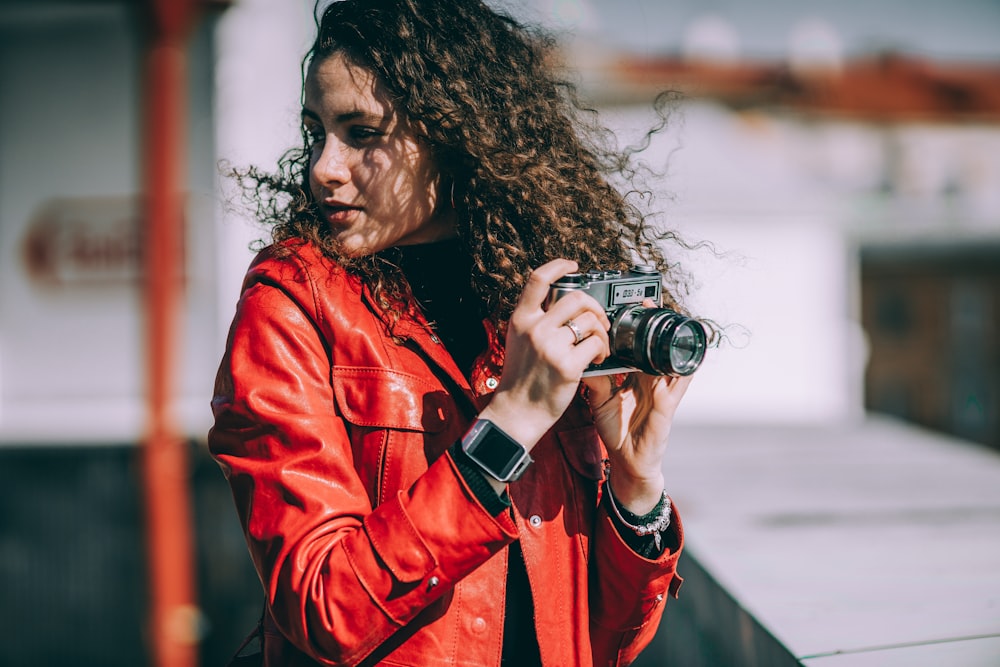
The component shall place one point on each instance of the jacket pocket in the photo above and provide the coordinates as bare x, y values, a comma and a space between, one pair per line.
385, 398
398, 423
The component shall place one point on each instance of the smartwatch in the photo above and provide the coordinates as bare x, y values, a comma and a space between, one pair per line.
497, 454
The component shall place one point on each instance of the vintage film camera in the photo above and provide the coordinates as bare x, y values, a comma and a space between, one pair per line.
654, 340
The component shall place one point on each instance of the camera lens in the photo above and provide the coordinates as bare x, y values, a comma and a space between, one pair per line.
687, 347
658, 341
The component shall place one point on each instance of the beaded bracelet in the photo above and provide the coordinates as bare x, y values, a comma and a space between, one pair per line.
654, 527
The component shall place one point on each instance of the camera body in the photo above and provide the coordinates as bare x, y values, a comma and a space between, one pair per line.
654, 340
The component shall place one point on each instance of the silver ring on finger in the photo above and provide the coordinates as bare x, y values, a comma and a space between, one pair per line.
575, 328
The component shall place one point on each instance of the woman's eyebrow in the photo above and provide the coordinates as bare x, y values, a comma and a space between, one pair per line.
368, 116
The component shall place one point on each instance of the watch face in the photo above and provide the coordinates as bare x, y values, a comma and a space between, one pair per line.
497, 453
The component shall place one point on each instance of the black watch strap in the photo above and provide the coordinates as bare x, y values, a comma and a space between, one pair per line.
497, 454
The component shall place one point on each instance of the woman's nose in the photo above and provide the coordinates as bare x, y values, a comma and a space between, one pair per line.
332, 166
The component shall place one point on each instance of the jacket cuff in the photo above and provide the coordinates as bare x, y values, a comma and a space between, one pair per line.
622, 569
646, 546
475, 480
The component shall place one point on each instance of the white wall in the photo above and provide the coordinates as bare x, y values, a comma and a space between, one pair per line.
72, 340
260, 45
66, 351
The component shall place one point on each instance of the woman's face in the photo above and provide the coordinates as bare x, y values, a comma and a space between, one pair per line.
376, 185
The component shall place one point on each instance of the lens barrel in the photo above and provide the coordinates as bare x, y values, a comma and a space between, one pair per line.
658, 341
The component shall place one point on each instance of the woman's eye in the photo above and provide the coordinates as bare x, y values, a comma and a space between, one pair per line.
363, 133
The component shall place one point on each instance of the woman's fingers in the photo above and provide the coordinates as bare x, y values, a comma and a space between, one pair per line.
580, 326
537, 289
572, 331
548, 347
574, 304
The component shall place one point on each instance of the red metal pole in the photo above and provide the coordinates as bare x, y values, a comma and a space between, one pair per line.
173, 614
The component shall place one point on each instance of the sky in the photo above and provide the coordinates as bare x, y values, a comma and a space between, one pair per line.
967, 30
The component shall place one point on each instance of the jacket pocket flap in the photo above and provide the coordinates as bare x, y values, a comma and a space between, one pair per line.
584, 450
384, 398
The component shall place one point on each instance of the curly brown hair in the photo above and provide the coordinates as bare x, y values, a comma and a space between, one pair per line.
532, 173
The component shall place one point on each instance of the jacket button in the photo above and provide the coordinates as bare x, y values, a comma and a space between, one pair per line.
535, 521
435, 339
432, 582
479, 625
491, 383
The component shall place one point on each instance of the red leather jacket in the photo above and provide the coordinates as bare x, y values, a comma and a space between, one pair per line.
368, 541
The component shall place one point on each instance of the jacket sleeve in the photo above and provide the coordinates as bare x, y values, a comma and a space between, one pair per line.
340, 576
628, 592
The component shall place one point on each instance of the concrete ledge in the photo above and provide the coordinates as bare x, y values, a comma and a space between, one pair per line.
867, 543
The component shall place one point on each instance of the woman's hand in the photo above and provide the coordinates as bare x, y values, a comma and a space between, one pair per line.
545, 356
634, 422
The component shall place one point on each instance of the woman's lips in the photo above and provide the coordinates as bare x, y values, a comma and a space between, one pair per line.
341, 214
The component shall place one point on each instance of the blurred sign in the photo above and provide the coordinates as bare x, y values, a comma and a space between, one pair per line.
85, 241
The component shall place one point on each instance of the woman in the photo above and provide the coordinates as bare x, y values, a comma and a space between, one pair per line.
420, 473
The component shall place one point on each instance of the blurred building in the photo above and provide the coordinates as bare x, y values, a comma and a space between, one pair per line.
851, 203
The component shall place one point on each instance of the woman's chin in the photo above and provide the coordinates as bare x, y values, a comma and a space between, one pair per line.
355, 245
